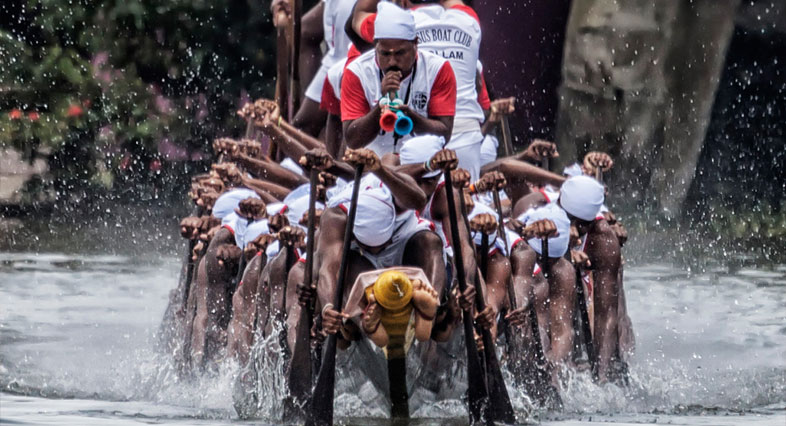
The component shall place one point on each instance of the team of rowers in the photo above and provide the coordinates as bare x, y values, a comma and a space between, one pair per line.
388, 219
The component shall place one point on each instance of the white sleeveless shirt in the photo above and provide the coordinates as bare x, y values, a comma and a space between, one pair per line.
361, 90
454, 34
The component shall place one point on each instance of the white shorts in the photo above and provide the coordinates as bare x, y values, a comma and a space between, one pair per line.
314, 89
467, 146
393, 254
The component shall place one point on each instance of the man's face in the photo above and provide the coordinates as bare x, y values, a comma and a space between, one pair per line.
396, 55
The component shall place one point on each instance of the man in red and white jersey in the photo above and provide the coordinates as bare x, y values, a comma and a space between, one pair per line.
423, 81
450, 29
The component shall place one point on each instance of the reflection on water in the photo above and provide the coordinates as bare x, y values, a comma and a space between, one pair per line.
77, 340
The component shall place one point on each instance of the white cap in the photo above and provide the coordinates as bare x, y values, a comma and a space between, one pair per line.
572, 170
393, 22
582, 197
420, 149
228, 201
298, 207
558, 245
374, 220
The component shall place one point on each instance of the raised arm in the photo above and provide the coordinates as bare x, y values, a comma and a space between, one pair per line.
406, 193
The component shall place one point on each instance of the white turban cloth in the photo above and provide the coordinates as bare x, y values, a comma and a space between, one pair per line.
393, 22
420, 149
376, 215
573, 170
297, 208
582, 197
558, 245
243, 231
228, 201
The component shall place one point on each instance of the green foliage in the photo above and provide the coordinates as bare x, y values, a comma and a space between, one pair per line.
96, 85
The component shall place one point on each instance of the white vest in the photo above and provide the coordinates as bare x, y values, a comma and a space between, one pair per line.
425, 72
334, 18
334, 75
455, 36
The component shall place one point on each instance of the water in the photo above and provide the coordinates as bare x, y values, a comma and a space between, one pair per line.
77, 347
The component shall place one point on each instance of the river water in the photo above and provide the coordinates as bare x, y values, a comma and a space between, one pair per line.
78, 333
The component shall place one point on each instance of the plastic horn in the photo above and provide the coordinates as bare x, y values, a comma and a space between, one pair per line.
403, 124
388, 120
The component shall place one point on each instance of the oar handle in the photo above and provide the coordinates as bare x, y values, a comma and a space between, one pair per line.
308, 276
544, 256
353, 204
501, 221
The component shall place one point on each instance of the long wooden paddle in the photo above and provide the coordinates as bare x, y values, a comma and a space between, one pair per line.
300, 374
478, 395
507, 142
321, 409
501, 407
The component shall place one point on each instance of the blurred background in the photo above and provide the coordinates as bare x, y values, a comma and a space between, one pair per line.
107, 107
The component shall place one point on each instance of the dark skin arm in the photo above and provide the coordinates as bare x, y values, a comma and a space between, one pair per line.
361, 131
333, 136
349, 27
520, 171
271, 171
440, 210
406, 193
328, 260
311, 36
278, 192
604, 254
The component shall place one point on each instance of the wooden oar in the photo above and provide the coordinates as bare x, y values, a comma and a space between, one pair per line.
294, 58
507, 142
191, 264
478, 396
501, 407
589, 345
321, 407
515, 345
282, 70
300, 374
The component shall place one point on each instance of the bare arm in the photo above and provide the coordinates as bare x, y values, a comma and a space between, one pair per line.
520, 171
311, 36
278, 192
604, 253
406, 193
332, 225
271, 171
361, 131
